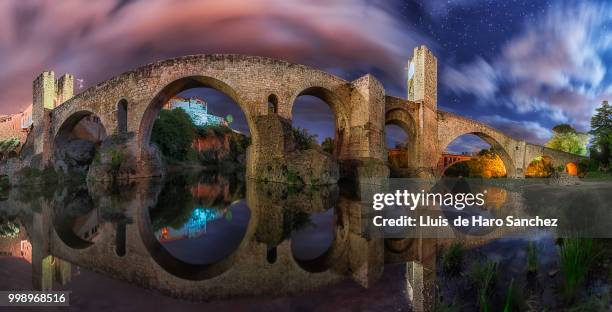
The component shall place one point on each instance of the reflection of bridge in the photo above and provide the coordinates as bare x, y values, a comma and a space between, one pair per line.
130, 102
448, 160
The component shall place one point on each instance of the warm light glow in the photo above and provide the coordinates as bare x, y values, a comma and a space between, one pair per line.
571, 169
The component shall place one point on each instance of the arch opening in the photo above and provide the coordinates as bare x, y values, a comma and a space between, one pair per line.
540, 167
474, 155
200, 121
400, 141
77, 141
318, 121
571, 168
195, 86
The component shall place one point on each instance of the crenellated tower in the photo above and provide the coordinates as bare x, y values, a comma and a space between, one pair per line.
48, 93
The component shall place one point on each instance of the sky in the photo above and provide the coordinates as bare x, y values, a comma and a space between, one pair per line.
521, 66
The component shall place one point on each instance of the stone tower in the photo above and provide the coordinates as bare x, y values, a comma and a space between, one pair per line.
423, 90
47, 94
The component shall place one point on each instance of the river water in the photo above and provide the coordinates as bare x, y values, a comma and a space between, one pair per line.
208, 241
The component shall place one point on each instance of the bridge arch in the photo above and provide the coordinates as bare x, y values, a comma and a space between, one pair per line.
404, 158
337, 107
175, 87
75, 143
496, 146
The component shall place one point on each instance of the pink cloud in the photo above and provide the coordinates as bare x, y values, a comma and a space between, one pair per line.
95, 40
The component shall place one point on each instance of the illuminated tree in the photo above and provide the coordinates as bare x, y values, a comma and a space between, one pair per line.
487, 165
567, 139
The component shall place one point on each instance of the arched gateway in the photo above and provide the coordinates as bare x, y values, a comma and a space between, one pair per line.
265, 90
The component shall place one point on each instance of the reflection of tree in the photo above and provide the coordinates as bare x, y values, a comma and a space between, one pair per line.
294, 220
9, 229
174, 204
183, 192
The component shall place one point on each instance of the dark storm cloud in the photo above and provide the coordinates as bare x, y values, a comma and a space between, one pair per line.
96, 40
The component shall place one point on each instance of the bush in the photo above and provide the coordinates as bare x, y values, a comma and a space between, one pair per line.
453, 258
302, 139
173, 132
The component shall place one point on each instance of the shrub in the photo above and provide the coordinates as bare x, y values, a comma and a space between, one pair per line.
453, 258
302, 139
173, 132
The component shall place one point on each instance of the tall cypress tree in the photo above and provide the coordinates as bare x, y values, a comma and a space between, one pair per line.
601, 130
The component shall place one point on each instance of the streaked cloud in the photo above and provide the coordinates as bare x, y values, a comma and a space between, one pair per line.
97, 40
556, 68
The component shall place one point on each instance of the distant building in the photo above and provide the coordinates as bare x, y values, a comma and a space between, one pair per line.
197, 109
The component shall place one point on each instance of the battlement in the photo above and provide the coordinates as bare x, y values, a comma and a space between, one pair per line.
48, 93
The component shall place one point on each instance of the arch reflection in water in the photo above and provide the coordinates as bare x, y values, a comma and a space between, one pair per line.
77, 221
196, 227
314, 238
208, 236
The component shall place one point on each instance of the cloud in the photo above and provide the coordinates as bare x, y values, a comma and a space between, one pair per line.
467, 143
477, 78
555, 67
530, 131
97, 40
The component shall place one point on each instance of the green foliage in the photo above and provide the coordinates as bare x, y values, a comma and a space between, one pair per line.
9, 230
116, 159
592, 303
9, 145
293, 178
576, 257
601, 130
532, 257
509, 296
175, 204
328, 145
453, 258
587, 165
483, 275
173, 132
566, 139
303, 140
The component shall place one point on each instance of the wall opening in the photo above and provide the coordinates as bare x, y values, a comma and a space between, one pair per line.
120, 240
272, 104
122, 113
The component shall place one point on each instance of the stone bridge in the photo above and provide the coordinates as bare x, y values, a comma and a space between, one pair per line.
265, 89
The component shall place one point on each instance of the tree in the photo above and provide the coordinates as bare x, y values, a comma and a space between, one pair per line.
601, 130
174, 132
328, 145
487, 165
302, 139
567, 139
